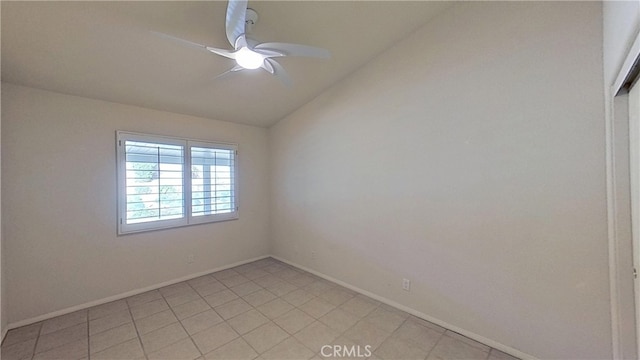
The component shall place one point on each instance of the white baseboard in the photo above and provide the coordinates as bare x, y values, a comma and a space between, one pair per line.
123, 295
469, 334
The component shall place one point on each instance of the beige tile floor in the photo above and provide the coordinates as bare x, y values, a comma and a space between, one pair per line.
262, 310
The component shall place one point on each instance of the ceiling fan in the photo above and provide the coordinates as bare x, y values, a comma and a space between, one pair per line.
250, 54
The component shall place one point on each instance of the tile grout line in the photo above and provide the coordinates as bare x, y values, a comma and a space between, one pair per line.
89, 337
396, 330
357, 322
260, 312
274, 323
436, 344
132, 320
40, 334
180, 321
87, 322
341, 334
211, 308
103, 331
35, 344
202, 354
225, 321
315, 320
240, 336
135, 326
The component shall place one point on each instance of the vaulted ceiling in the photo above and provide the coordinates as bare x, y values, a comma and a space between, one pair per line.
112, 51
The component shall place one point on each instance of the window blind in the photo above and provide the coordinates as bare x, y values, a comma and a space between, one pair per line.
154, 181
166, 182
212, 181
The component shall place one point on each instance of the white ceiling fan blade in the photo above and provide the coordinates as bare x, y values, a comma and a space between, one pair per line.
266, 65
241, 42
295, 50
222, 52
269, 53
232, 70
186, 42
279, 72
236, 20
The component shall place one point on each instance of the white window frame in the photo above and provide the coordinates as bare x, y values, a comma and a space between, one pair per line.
187, 219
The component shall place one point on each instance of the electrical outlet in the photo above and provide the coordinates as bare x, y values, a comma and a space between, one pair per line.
313, 256
406, 284
191, 259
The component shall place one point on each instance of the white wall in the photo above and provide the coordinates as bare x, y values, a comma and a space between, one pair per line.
59, 203
621, 21
469, 159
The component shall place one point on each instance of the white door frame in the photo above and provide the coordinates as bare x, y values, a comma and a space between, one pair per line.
627, 71
634, 160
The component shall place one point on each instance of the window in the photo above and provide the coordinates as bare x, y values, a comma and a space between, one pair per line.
167, 182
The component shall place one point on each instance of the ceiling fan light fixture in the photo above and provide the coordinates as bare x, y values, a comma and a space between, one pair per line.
248, 58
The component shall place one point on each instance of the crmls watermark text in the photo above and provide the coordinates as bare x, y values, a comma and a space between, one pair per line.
346, 351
